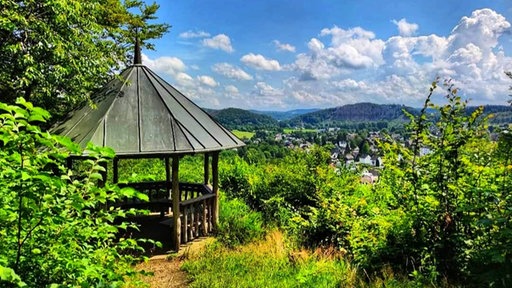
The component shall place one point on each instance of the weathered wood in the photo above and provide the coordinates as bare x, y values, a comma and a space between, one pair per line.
215, 188
192, 222
198, 219
197, 199
206, 178
176, 202
184, 232
205, 220
168, 179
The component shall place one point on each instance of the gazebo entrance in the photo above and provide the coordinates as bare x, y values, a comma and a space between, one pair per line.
140, 115
198, 202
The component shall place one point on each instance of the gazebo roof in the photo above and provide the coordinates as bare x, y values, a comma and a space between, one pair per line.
139, 114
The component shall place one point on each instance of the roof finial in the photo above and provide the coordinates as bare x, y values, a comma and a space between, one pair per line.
137, 57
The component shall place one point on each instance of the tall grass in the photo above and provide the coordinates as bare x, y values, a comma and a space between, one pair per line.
266, 263
272, 262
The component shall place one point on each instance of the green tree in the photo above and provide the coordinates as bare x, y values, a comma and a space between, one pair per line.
55, 53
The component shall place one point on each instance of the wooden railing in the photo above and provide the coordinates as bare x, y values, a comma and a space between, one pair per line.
196, 205
197, 216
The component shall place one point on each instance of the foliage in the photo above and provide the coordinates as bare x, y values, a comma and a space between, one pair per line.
54, 227
237, 223
55, 53
353, 113
439, 217
234, 118
456, 196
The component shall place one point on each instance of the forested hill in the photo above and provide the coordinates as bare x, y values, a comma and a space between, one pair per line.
342, 116
285, 115
360, 112
234, 118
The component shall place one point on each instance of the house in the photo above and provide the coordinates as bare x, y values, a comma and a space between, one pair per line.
365, 159
368, 177
349, 160
376, 161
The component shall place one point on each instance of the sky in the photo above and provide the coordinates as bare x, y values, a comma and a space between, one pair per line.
291, 54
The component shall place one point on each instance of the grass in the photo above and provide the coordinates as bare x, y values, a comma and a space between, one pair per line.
272, 263
243, 134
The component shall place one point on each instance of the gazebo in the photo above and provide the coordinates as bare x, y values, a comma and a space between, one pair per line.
140, 115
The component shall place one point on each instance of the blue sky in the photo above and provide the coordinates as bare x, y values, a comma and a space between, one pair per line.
284, 54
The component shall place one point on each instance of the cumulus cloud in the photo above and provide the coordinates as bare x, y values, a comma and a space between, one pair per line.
184, 79
260, 62
283, 46
194, 34
169, 65
231, 89
220, 42
231, 71
231, 92
405, 28
349, 50
207, 80
344, 66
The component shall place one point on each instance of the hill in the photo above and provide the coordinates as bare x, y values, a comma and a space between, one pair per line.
234, 118
285, 115
360, 112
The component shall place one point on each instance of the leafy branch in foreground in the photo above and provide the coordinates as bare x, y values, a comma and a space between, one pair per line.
54, 228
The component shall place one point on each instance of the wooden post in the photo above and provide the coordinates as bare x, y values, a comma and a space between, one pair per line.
176, 202
184, 232
205, 218
115, 168
215, 188
206, 168
168, 177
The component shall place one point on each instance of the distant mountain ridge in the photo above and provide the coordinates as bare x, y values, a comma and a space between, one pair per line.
359, 112
285, 115
235, 118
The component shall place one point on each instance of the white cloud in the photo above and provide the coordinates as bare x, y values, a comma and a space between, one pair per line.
283, 46
231, 71
231, 92
184, 79
169, 65
349, 50
343, 66
220, 42
405, 28
207, 80
260, 62
194, 34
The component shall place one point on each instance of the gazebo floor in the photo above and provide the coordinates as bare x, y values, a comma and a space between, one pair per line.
152, 228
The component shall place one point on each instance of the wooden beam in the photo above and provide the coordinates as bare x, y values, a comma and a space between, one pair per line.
215, 188
176, 202
206, 169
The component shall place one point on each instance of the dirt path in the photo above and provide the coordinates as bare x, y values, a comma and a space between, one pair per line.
167, 272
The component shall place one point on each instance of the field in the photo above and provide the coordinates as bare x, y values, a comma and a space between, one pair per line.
243, 134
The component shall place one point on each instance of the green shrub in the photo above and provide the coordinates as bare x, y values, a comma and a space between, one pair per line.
53, 225
237, 223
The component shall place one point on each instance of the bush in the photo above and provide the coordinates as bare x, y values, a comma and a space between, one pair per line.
237, 223
53, 228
